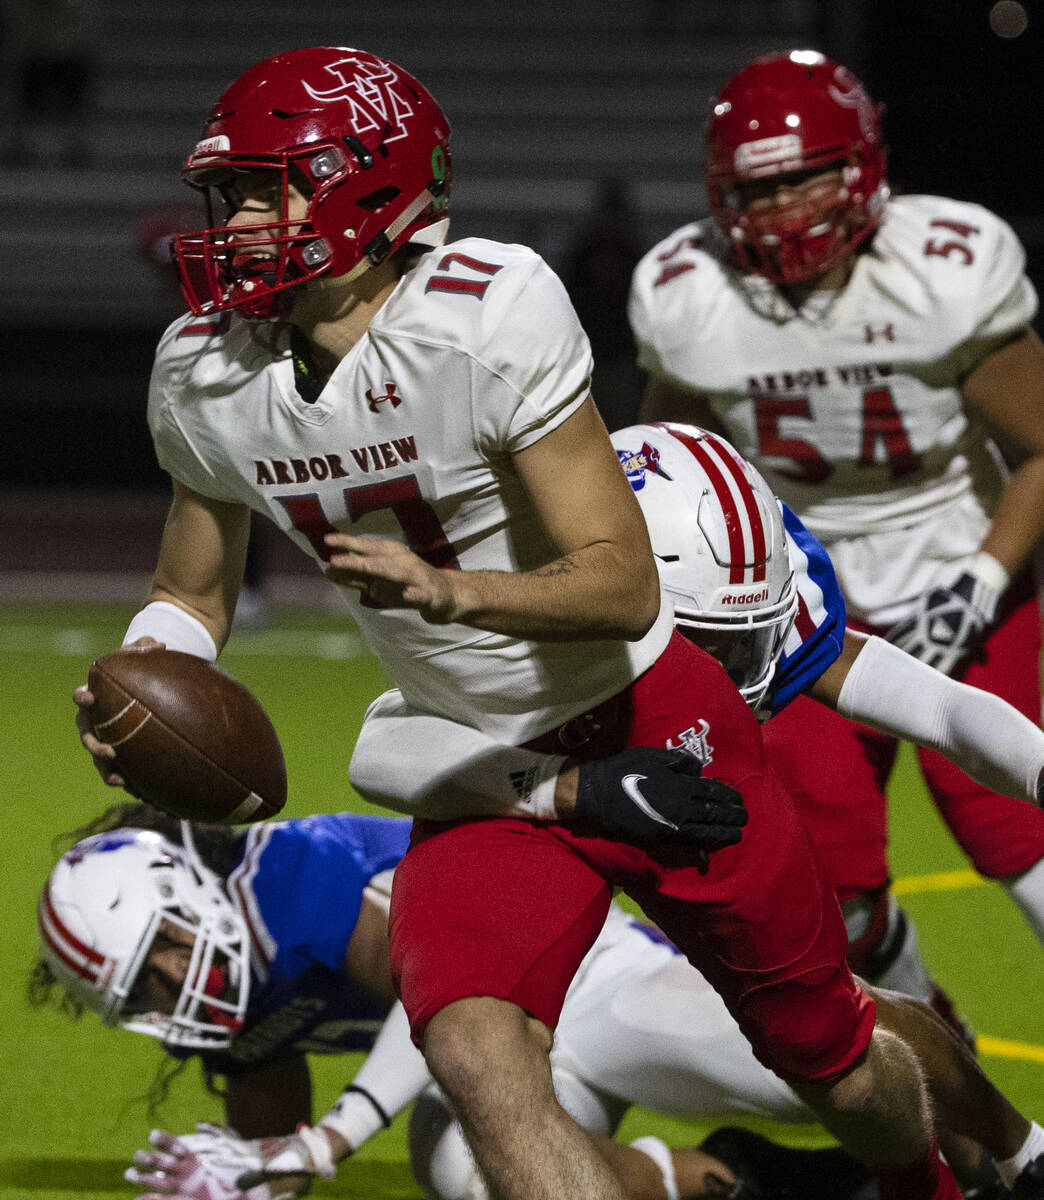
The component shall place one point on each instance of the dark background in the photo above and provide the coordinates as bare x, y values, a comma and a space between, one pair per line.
963, 118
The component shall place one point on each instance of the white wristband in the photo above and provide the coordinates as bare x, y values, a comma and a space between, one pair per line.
174, 627
985, 567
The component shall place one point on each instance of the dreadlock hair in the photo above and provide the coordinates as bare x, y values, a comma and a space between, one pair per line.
217, 845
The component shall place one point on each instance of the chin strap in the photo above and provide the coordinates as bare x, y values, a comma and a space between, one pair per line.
378, 249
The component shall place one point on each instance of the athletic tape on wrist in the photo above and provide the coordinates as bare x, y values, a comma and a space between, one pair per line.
174, 627
987, 569
318, 1146
356, 1121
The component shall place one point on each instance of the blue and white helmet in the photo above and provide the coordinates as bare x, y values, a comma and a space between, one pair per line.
101, 910
721, 549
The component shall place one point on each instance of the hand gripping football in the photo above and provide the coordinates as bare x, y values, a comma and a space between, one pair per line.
189, 738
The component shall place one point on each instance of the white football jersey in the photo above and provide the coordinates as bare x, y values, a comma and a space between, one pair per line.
477, 354
852, 408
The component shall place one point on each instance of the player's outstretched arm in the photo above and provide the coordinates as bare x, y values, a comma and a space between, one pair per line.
274, 1167
602, 585
1006, 391
878, 684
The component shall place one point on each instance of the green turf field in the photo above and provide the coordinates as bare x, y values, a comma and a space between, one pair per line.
71, 1093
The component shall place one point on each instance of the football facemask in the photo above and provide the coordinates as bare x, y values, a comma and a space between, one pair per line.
797, 112
718, 537
359, 137
116, 896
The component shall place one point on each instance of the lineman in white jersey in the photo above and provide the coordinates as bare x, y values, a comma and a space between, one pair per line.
324, 163
859, 349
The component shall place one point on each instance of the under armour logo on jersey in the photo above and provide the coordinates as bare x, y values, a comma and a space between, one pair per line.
369, 90
390, 394
870, 334
694, 741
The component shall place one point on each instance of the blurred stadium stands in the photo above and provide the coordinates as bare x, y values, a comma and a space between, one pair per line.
547, 100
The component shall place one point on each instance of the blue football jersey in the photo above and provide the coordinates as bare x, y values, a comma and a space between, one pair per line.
818, 633
299, 885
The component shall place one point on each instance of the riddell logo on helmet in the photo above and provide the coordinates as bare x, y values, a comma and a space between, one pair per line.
783, 152
746, 597
213, 145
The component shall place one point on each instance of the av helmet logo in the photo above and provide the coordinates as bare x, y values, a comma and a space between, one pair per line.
372, 91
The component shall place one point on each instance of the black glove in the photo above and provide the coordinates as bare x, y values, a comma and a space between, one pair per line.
947, 623
647, 794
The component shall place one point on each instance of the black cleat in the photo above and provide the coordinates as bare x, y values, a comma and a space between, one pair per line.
769, 1171
1030, 1183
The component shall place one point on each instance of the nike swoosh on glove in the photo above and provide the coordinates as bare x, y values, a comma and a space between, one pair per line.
648, 794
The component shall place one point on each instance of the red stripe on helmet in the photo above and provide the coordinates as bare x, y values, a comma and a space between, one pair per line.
66, 950
726, 497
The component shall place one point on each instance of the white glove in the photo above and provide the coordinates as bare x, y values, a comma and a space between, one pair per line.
205, 1165
306, 1152
947, 622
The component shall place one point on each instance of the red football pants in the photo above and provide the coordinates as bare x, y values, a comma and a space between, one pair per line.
508, 908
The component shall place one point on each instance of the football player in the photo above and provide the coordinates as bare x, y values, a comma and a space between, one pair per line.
865, 351
251, 949
416, 415
779, 638
783, 636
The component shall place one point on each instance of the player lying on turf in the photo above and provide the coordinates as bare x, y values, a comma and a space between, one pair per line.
251, 949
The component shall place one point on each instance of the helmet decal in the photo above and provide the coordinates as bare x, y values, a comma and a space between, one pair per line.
636, 462
721, 548
371, 92
360, 150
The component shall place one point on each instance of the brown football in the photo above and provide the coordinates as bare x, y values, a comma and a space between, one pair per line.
189, 738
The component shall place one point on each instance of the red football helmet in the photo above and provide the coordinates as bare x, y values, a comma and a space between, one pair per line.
356, 134
787, 113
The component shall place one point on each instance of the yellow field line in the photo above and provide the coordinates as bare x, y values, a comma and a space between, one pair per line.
1003, 1048
941, 881
951, 881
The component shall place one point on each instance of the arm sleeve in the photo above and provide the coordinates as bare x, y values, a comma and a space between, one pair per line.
986, 737
428, 766
393, 1074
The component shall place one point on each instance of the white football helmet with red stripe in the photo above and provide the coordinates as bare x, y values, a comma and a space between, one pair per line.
101, 910
717, 533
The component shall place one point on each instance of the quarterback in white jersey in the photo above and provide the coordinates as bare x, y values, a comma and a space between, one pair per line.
861, 350
419, 418
493, 327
